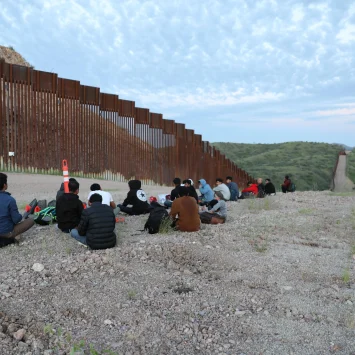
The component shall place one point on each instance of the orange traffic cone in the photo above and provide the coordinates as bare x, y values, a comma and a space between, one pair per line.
66, 176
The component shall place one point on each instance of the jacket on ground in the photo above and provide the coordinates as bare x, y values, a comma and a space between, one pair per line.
186, 210
223, 188
270, 188
9, 214
68, 209
98, 224
234, 190
252, 188
137, 198
206, 191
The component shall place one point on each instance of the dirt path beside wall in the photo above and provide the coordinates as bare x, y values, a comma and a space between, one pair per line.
341, 182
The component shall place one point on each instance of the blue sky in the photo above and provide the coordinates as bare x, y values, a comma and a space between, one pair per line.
233, 70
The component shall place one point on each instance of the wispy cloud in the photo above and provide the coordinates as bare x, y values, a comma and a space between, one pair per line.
199, 60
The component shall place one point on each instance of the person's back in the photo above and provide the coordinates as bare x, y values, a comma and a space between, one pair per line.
98, 225
186, 208
10, 218
269, 187
137, 198
69, 208
286, 185
233, 188
192, 191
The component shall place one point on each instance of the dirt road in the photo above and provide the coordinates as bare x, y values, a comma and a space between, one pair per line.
341, 182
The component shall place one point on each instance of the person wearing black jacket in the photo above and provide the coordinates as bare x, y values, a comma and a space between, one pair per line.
97, 225
269, 188
69, 208
137, 198
192, 190
174, 193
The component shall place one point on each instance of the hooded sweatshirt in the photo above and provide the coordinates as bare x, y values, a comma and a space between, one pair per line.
206, 191
136, 197
68, 209
225, 191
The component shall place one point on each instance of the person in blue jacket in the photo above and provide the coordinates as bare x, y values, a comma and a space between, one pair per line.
207, 193
233, 187
10, 218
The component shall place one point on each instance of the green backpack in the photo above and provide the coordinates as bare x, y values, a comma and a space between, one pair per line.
46, 216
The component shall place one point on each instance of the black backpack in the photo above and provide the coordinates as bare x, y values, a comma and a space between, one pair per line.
155, 218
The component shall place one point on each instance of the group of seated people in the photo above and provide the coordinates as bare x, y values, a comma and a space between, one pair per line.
95, 226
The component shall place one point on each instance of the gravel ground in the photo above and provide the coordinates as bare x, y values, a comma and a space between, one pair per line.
277, 278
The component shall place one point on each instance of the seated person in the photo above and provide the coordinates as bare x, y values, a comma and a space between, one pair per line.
206, 193
10, 218
218, 210
69, 208
286, 185
192, 191
222, 187
261, 188
60, 192
174, 193
137, 198
106, 197
269, 188
251, 190
233, 188
97, 225
185, 212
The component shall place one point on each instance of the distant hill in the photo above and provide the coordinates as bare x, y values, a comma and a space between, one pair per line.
310, 165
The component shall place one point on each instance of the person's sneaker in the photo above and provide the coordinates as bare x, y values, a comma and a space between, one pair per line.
84, 245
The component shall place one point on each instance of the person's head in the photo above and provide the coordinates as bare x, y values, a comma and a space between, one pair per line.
183, 191
219, 181
73, 187
3, 182
177, 181
95, 198
260, 181
267, 181
202, 182
187, 183
287, 177
229, 179
218, 195
95, 187
249, 183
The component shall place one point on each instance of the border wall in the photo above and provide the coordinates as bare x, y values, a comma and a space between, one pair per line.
45, 119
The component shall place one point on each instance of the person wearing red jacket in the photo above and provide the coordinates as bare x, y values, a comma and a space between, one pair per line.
286, 185
251, 189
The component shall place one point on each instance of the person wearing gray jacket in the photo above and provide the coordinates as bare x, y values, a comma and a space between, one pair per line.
223, 188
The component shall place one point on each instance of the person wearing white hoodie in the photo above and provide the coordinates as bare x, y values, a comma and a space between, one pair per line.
223, 188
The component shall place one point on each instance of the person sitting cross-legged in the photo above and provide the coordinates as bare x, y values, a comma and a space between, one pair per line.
106, 197
269, 188
218, 210
233, 188
97, 225
223, 188
69, 208
174, 193
137, 198
184, 211
10, 218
